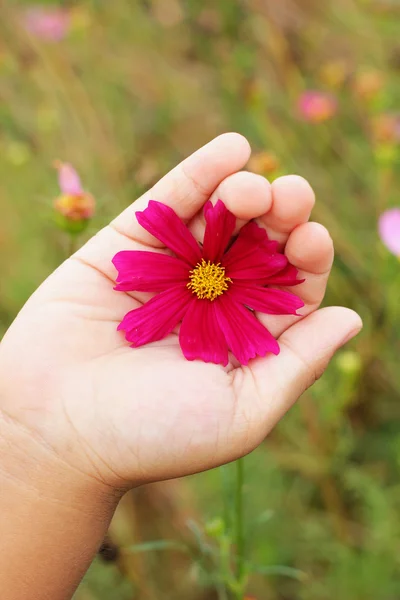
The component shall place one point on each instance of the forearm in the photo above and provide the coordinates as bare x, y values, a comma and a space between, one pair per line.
52, 520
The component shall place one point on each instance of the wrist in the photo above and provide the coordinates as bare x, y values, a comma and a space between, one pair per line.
47, 509
29, 464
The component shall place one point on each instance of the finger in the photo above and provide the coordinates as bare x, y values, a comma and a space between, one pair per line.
268, 387
292, 202
244, 194
190, 184
310, 249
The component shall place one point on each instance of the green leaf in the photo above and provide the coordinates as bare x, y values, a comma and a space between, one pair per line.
199, 535
265, 517
271, 570
156, 545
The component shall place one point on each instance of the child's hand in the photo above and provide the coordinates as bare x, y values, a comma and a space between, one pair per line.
121, 416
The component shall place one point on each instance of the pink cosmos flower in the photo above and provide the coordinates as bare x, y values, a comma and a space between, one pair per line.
50, 24
389, 230
213, 288
74, 203
316, 107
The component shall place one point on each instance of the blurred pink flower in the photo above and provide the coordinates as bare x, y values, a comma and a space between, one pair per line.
316, 107
68, 179
389, 230
74, 203
50, 24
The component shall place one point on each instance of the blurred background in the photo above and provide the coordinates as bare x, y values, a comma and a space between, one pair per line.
123, 90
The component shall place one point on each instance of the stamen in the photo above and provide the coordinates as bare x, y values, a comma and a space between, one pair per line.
208, 280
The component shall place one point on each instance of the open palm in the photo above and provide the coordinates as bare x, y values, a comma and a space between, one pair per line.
127, 415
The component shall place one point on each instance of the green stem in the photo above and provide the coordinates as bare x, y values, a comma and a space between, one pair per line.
226, 496
222, 589
239, 528
224, 541
222, 592
72, 244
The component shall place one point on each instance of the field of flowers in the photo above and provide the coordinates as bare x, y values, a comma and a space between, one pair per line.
122, 91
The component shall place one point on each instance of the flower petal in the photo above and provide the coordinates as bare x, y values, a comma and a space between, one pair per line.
257, 267
253, 256
200, 335
250, 238
69, 180
220, 224
142, 271
267, 300
165, 225
288, 276
389, 230
245, 335
157, 318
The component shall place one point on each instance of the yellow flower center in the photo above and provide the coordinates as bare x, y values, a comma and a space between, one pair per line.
208, 280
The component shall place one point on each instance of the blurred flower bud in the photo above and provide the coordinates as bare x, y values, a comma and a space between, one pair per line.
263, 163
368, 83
74, 207
349, 362
386, 128
108, 551
215, 528
334, 73
315, 106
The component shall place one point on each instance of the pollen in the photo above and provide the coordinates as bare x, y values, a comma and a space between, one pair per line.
208, 280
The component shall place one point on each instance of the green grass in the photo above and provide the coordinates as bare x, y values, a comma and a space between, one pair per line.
135, 87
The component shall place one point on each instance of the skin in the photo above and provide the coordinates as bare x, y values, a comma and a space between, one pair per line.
83, 417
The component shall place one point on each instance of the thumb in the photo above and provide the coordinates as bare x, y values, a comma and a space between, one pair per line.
306, 349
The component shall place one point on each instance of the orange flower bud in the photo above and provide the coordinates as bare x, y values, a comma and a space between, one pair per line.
76, 207
368, 83
386, 128
263, 163
334, 73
